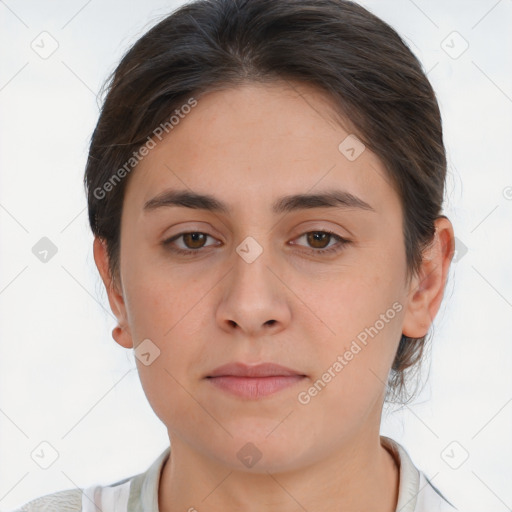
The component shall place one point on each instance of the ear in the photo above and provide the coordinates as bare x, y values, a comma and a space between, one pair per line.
427, 288
122, 333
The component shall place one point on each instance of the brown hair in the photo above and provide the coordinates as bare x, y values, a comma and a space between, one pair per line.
371, 75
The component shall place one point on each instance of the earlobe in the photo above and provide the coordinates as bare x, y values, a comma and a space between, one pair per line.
427, 288
122, 337
121, 333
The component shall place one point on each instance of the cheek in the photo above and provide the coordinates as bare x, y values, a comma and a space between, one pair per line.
170, 308
363, 309
157, 296
350, 301
351, 377
172, 318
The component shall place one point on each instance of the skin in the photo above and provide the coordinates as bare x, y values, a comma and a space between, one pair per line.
248, 146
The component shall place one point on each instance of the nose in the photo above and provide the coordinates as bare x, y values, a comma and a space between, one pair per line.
254, 299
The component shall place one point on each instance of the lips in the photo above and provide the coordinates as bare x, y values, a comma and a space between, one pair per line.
259, 370
253, 382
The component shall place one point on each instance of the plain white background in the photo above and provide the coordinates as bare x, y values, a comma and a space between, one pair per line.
64, 381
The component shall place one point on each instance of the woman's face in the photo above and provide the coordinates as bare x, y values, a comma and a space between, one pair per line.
263, 282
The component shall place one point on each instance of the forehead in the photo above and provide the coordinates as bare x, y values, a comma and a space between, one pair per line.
260, 141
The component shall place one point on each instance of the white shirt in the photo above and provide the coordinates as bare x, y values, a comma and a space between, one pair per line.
139, 493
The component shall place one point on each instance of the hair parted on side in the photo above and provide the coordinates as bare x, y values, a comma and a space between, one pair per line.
372, 77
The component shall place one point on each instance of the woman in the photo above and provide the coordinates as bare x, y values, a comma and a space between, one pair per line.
265, 185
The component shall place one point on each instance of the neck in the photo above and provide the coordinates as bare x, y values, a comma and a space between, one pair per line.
360, 476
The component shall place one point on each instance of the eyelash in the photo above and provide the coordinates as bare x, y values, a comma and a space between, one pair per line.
342, 242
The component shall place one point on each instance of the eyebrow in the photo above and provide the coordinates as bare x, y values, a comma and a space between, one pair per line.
327, 199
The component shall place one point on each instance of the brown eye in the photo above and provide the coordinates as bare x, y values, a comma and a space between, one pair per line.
194, 240
319, 242
188, 243
318, 239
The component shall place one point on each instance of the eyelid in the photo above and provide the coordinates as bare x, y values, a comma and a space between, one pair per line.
332, 233
178, 236
191, 227
321, 225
